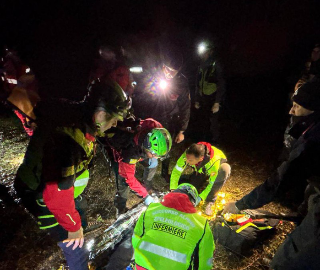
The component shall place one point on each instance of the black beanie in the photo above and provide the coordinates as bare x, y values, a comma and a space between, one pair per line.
308, 95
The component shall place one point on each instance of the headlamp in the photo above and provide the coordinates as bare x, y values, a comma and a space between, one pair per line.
202, 48
163, 84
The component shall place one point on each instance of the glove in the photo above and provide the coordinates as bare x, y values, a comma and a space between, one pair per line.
149, 199
231, 208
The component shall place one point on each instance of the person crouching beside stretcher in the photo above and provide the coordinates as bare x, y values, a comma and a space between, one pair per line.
210, 171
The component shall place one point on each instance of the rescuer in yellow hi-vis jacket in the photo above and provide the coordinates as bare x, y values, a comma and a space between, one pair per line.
210, 171
171, 235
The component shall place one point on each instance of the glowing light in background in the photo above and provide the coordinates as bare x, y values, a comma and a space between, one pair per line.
136, 69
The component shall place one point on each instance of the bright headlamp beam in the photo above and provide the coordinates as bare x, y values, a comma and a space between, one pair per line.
163, 84
202, 48
136, 69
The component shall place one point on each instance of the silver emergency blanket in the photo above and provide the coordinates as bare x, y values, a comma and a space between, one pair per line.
114, 234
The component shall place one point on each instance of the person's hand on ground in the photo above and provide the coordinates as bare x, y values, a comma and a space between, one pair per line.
215, 108
75, 238
179, 137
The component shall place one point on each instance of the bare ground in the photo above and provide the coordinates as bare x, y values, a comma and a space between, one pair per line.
23, 246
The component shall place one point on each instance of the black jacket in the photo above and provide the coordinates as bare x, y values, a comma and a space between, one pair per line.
301, 165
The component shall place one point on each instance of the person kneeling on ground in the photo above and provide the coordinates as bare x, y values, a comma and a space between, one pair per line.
209, 164
171, 235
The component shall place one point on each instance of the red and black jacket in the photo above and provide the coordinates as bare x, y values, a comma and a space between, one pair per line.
132, 153
51, 166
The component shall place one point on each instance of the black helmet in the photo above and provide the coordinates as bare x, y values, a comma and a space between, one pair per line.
107, 95
191, 191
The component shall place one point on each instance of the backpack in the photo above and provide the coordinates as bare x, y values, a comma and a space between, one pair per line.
241, 239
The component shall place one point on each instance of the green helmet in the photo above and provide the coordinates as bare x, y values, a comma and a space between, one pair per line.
192, 191
158, 141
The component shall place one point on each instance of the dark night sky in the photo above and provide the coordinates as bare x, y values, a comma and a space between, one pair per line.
59, 39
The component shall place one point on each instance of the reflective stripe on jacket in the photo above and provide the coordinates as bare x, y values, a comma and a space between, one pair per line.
165, 238
211, 169
79, 172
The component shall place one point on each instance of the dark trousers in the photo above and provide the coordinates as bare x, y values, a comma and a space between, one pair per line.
208, 127
76, 259
301, 248
122, 255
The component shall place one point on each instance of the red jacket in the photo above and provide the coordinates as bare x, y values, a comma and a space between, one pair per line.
133, 154
58, 193
120, 74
